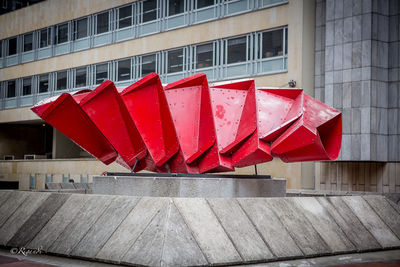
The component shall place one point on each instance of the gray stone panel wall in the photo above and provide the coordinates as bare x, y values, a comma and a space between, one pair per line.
357, 72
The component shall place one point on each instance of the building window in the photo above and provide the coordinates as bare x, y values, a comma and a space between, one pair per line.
204, 56
43, 83
61, 80
1, 48
148, 64
101, 73
32, 181
175, 60
44, 38
27, 86
272, 44
28, 42
80, 28
102, 23
125, 17
124, 70
286, 40
149, 10
204, 3
48, 178
11, 89
175, 7
62, 33
80, 77
236, 50
12, 46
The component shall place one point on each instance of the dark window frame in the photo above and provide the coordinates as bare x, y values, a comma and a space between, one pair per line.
26, 47
151, 14
170, 67
174, 10
205, 4
148, 63
16, 46
76, 24
123, 20
107, 28
229, 49
24, 92
124, 76
14, 94
96, 78
40, 91
48, 37
66, 38
81, 69
58, 79
197, 61
274, 49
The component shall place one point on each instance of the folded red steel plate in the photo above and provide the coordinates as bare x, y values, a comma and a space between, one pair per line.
234, 110
148, 107
105, 108
277, 110
189, 102
317, 135
64, 114
235, 116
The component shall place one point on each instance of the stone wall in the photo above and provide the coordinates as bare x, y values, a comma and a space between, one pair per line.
357, 72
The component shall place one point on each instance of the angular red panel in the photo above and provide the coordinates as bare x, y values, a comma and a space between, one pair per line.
105, 108
277, 110
190, 108
190, 105
148, 107
64, 114
235, 115
317, 135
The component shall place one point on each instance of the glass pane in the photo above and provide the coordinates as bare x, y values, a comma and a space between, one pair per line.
149, 10
286, 40
1, 48
272, 45
148, 64
175, 61
237, 50
61, 80
12, 46
81, 30
27, 86
101, 73
11, 89
125, 17
204, 3
44, 83
28, 42
204, 56
175, 7
80, 78
124, 70
43, 38
62, 33
102, 22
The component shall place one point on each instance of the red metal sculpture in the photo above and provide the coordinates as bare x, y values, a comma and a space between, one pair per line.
191, 127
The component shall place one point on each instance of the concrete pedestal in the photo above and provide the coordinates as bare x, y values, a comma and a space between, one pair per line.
185, 185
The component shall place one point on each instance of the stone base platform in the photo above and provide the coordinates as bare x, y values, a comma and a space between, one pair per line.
163, 231
187, 185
